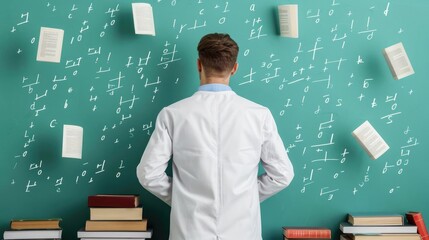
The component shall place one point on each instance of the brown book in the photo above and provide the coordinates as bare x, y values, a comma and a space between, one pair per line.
140, 225
380, 237
373, 219
114, 200
307, 232
116, 213
33, 224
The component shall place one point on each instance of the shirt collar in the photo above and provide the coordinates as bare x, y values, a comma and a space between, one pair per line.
214, 87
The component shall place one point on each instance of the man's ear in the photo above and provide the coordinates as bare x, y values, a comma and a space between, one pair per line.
199, 65
234, 69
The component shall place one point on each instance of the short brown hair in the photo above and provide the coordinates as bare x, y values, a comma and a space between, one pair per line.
217, 53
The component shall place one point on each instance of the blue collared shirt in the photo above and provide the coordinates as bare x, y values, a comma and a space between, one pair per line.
214, 87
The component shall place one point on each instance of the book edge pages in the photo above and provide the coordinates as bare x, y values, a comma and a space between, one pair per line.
386, 52
110, 234
293, 20
347, 228
379, 152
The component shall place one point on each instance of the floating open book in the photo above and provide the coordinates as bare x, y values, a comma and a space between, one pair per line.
398, 61
72, 141
370, 140
143, 19
50, 45
288, 20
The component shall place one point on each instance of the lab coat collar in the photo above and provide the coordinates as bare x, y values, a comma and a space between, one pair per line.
214, 87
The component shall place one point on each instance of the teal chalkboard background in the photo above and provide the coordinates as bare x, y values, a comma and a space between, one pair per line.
113, 83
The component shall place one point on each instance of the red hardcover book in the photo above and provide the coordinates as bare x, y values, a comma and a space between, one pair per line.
285, 238
114, 200
307, 232
416, 218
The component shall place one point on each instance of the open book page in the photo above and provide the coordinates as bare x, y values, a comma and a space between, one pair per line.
72, 141
50, 45
143, 19
398, 61
370, 140
288, 20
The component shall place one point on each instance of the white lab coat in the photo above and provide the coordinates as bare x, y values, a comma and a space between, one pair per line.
216, 141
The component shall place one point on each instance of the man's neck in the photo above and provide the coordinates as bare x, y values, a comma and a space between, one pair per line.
217, 80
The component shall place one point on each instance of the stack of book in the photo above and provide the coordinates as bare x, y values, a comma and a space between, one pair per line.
306, 233
34, 229
377, 227
114, 216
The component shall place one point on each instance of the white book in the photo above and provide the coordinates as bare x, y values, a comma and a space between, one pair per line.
50, 45
370, 140
143, 19
398, 61
32, 234
373, 229
385, 236
288, 20
72, 141
114, 234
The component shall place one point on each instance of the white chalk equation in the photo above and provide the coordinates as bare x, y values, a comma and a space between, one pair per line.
113, 83
323, 79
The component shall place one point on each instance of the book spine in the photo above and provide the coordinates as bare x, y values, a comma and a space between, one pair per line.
111, 201
307, 233
417, 219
